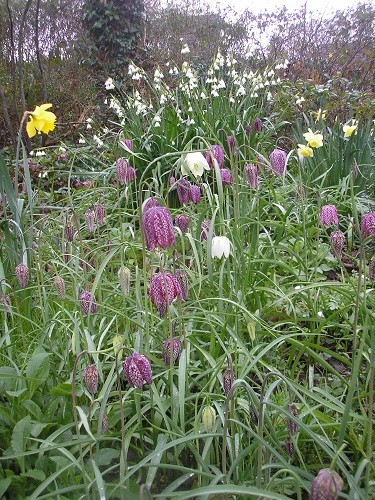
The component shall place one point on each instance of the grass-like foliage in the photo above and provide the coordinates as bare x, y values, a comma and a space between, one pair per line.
215, 341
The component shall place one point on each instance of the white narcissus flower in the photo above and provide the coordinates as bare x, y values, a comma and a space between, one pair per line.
220, 246
313, 139
196, 163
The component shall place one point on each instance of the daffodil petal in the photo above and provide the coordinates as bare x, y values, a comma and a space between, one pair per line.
30, 128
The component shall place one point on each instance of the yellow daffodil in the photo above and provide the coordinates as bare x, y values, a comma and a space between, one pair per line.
40, 120
320, 115
350, 129
313, 139
305, 151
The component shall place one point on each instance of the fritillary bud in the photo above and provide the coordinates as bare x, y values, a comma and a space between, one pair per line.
368, 225
5, 302
90, 219
257, 125
228, 378
88, 303
91, 378
289, 447
124, 279
292, 426
105, 424
208, 418
327, 485
22, 275
337, 242
128, 143
278, 161
183, 191
171, 347
99, 210
231, 142
328, 215
69, 231
184, 283
137, 370
59, 286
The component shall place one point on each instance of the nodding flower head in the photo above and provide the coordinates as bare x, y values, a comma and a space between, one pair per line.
164, 289
328, 215
195, 194
90, 220
337, 242
184, 283
257, 125
137, 370
151, 203
226, 177
22, 275
183, 191
368, 225
128, 143
278, 161
157, 226
59, 286
91, 378
125, 172
88, 303
216, 152
171, 350
327, 485
182, 222
251, 172
69, 231
231, 142
99, 210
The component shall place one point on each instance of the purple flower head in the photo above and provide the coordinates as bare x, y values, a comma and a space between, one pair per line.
328, 215
90, 219
91, 378
216, 152
205, 229
62, 156
368, 225
87, 184
22, 275
69, 231
228, 378
183, 191
172, 181
137, 370
163, 290
248, 130
151, 203
128, 143
88, 303
257, 125
171, 350
231, 142
125, 173
337, 242
278, 161
183, 282
182, 222
99, 210
157, 227
251, 172
327, 485
59, 286
195, 194
226, 177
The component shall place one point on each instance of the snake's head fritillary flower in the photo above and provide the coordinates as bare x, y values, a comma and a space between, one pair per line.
327, 485
59, 286
220, 247
257, 125
157, 227
125, 172
313, 139
215, 153
208, 418
40, 120
163, 290
251, 172
226, 177
182, 222
171, 350
22, 274
368, 225
278, 161
183, 191
150, 203
195, 194
128, 143
91, 378
184, 283
137, 370
195, 163
99, 210
88, 303
328, 215
228, 378
337, 239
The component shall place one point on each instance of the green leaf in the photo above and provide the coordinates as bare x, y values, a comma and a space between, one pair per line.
106, 456
37, 371
35, 474
62, 389
20, 433
4, 485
